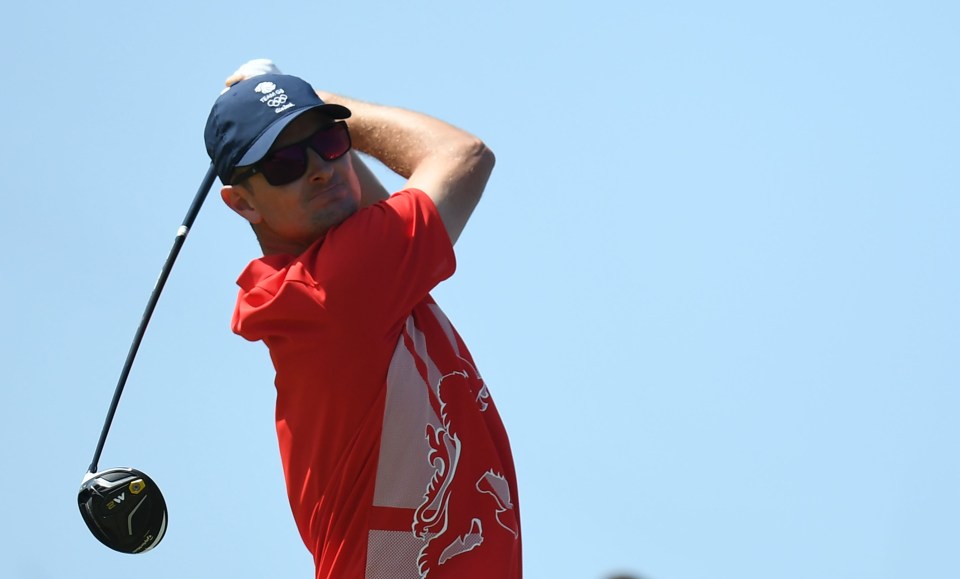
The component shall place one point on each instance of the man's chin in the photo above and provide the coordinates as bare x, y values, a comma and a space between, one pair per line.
336, 212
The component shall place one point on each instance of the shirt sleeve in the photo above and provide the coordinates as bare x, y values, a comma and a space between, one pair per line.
376, 266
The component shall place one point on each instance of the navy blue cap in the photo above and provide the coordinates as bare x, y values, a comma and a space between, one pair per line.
249, 116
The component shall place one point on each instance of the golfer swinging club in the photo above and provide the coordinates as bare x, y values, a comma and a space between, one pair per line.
396, 461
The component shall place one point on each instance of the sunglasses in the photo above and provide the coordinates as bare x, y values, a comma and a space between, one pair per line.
287, 164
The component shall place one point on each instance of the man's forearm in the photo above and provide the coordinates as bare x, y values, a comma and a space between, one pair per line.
371, 190
449, 164
402, 139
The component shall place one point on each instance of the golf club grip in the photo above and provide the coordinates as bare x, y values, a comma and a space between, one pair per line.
151, 304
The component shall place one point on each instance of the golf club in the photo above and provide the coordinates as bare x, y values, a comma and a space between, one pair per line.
123, 507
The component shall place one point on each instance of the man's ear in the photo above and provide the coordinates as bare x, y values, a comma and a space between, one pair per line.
238, 199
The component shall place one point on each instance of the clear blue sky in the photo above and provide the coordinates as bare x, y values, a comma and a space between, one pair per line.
713, 284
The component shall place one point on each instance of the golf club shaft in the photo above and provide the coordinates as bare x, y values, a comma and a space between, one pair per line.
151, 304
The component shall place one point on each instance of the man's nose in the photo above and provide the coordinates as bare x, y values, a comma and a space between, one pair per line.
317, 168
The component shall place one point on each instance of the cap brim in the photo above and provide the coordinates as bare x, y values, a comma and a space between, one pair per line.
261, 146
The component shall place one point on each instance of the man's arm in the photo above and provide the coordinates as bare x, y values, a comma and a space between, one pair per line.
371, 190
448, 164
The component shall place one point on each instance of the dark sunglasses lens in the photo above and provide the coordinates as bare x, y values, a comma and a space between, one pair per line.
284, 165
331, 143
288, 164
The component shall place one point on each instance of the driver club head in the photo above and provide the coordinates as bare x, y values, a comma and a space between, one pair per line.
124, 509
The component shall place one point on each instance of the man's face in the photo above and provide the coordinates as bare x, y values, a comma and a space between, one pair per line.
293, 216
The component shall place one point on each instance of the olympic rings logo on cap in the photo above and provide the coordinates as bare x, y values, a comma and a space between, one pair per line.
277, 101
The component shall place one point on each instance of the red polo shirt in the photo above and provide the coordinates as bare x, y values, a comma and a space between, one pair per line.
396, 461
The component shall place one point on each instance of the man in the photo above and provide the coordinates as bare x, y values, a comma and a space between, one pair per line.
396, 461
